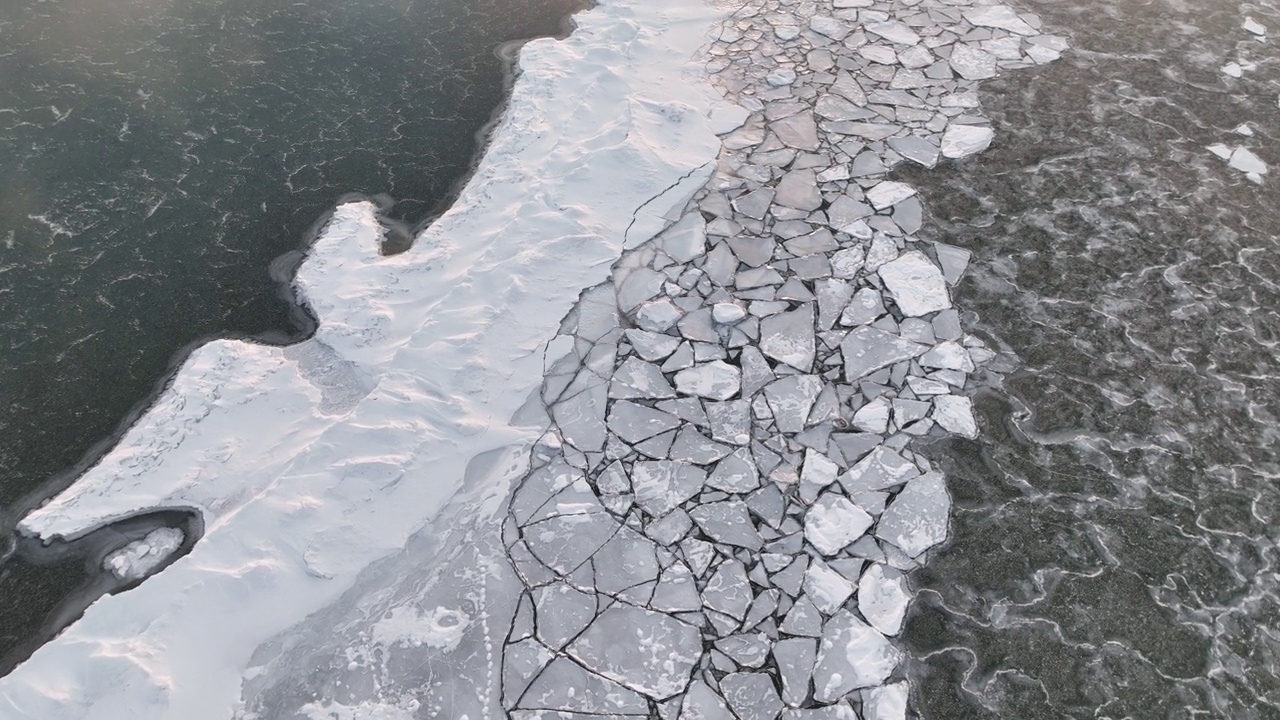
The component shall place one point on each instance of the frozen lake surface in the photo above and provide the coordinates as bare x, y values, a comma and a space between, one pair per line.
799, 360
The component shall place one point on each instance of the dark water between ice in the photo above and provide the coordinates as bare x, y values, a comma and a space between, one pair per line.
156, 155
1114, 536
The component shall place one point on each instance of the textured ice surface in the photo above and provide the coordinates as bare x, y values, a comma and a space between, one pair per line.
915, 284
917, 519
140, 558
851, 655
649, 652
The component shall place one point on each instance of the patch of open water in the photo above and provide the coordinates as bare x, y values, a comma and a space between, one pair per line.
1115, 529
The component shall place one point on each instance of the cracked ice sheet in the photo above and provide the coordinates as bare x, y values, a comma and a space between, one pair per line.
430, 352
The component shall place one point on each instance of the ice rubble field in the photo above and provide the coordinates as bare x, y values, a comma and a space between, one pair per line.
721, 509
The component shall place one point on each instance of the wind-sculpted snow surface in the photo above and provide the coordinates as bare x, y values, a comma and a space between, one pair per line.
311, 462
719, 519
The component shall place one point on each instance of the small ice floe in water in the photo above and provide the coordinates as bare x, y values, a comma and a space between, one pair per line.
1238, 69
140, 558
1243, 129
1253, 26
1242, 159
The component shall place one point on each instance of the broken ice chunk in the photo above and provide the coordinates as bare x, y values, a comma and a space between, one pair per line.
727, 313
658, 315
873, 417
728, 591
826, 588
799, 131
676, 590
955, 414
829, 26
727, 523
581, 418
562, 611
788, 337
564, 542
915, 284
803, 619
883, 596
971, 63
686, 239
833, 296
692, 446
781, 76
953, 260
916, 149
794, 658
754, 204
999, 16
882, 468
1253, 26
791, 398
917, 519
649, 652
751, 695
636, 378
521, 662
651, 346
833, 522
949, 355
964, 140
730, 421
887, 702
717, 380
748, 650
818, 469
1244, 160
627, 560
893, 31
845, 214
640, 285
867, 349
847, 262
702, 703
864, 308
888, 193
736, 473
634, 423
661, 485
799, 189
566, 687
851, 655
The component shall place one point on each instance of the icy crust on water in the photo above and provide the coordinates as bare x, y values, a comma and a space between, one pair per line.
311, 462
720, 518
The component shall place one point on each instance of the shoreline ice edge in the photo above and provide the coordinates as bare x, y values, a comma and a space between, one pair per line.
309, 462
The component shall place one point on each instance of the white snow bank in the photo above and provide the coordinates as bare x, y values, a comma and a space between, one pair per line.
311, 462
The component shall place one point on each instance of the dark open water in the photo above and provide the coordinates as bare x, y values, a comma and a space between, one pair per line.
1114, 537
155, 157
